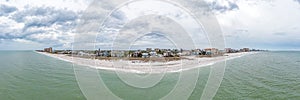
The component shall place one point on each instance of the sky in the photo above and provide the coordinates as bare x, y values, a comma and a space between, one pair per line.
261, 24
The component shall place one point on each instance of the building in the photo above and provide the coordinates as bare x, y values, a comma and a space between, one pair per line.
136, 54
98, 52
117, 53
48, 50
153, 54
156, 49
105, 54
245, 50
211, 51
196, 51
145, 55
148, 49
185, 53
63, 51
228, 50
168, 54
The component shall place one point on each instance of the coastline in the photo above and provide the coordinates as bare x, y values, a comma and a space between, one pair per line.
147, 67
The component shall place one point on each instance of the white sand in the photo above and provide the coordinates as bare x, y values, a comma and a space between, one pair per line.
147, 67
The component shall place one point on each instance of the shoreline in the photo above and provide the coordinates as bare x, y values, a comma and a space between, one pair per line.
148, 67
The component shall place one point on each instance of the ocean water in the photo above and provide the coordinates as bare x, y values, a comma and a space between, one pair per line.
26, 75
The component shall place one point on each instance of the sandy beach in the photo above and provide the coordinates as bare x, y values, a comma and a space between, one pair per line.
148, 67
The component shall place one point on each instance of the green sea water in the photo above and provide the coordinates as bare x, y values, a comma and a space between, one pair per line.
26, 75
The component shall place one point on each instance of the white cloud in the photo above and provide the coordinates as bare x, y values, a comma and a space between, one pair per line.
252, 23
261, 21
23, 41
50, 25
75, 5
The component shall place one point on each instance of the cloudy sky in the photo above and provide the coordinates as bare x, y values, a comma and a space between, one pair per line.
263, 24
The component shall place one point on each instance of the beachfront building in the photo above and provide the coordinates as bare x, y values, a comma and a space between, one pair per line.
160, 55
83, 53
117, 53
48, 50
246, 49
103, 53
196, 51
168, 54
106, 53
153, 54
145, 55
185, 53
228, 50
136, 54
156, 49
148, 49
98, 52
211, 51
62, 51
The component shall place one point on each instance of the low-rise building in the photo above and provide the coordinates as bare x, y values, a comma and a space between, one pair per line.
211, 51
136, 54
245, 50
156, 49
185, 53
117, 53
228, 50
148, 49
168, 54
153, 54
145, 55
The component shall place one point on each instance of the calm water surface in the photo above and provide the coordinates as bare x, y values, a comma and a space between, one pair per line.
26, 75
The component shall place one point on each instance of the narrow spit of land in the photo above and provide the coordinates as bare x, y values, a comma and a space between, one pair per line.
137, 66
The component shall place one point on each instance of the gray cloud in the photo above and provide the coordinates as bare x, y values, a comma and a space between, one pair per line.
54, 27
5, 9
44, 17
217, 7
46, 25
